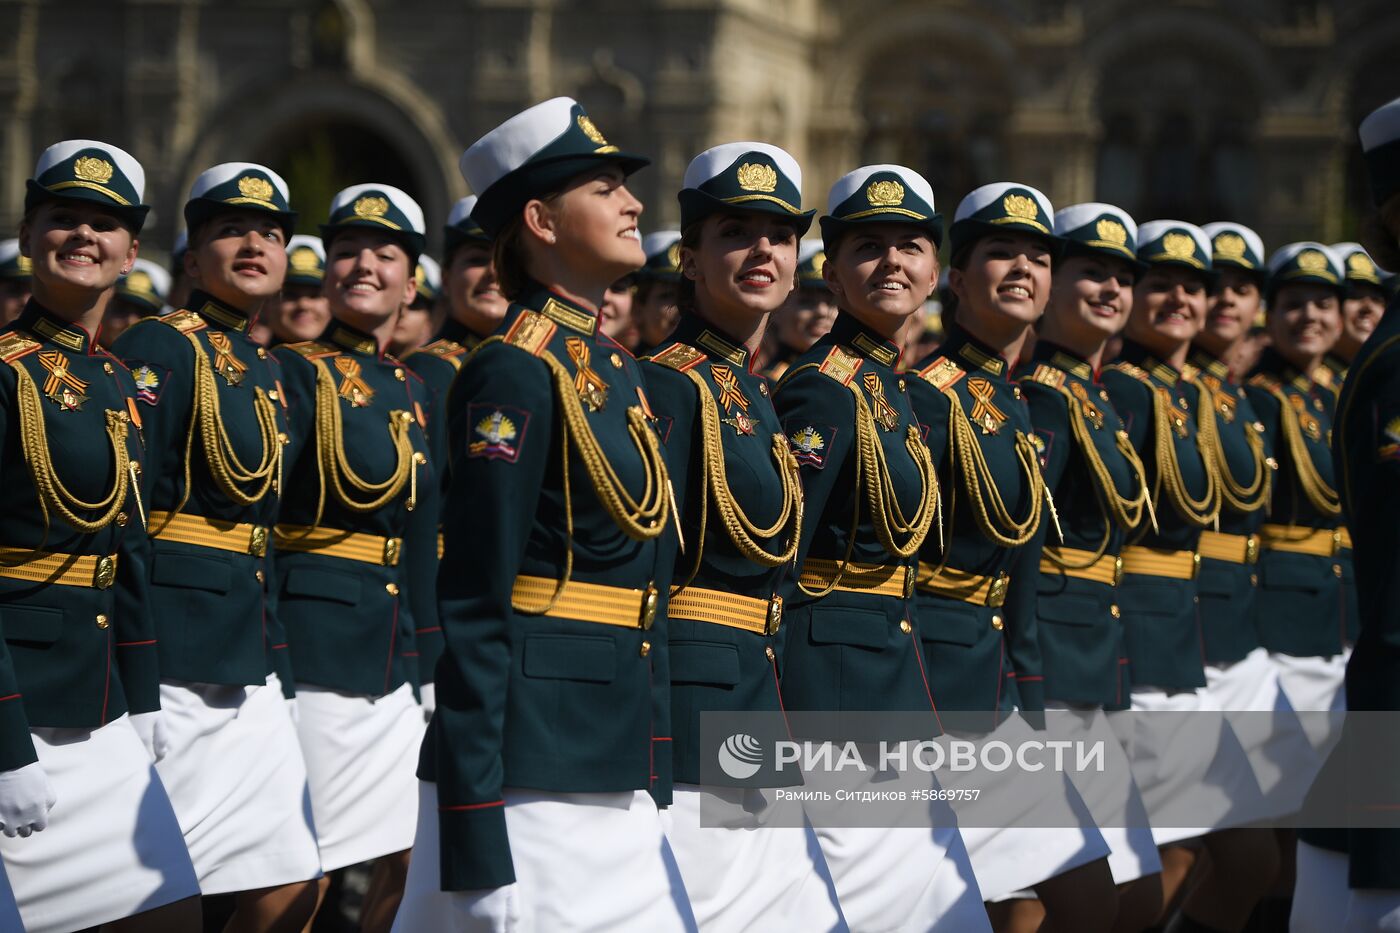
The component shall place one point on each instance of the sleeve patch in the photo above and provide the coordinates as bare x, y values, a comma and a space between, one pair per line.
1388, 450
150, 381
810, 442
1044, 440
497, 431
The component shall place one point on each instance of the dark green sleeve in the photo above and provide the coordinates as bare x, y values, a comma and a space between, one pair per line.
1133, 401
165, 410
16, 747
490, 511
420, 560
806, 397
1022, 627
1050, 419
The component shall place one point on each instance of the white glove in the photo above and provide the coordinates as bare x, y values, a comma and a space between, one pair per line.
26, 797
491, 910
151, 728
428, 697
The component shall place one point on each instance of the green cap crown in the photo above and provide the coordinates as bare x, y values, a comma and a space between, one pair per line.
1003, 207
880, 194
242, 186
88, 170
747, 176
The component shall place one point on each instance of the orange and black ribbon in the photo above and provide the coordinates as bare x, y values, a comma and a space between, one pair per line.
352, 387
1310, 425
729, 391
59, 378
1091, 411
985, 413
592, 390
884, 411
225, 363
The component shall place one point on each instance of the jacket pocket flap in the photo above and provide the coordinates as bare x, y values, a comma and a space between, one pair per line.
1296, 572
31, 623
1164, 598
323, 583
699, 662
1216, 581
191, 571
951, 625
570, 657
1069, 610
860, 628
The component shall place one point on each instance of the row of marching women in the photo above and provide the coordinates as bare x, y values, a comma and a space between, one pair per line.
298, 575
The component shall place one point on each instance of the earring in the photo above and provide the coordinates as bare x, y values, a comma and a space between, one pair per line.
551, 238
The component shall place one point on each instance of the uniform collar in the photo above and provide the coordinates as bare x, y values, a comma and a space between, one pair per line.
1209, 363
1273, 363
1062, 359
864, 341
49, 327
216, 312
973, 355
1337, 365
694, 331
349, 338
1141, 357
458, 332
559, 309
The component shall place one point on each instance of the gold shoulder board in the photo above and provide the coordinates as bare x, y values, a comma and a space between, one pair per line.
444, 349
312, 349
942, 373
1128, 369
186, 322
1048, 375
680, 357
531, 332
13, 346
1323, 377
842, 365
1265, 381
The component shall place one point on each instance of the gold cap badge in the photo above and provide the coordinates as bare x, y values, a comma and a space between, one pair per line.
673, 255
1359, 265
1229, 246
259, 189
1019, 206
304, 260
886, 193
1179, 246
756, 176
93, 169
140, 282
26, 265
591, 130
371, 207
818, 262
1111, 231
1310, 260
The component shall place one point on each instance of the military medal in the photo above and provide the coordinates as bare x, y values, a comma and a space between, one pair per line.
733, 399
353, 388
591, 388
741, 423
885, 414
1090, 410
225, 363
985, 413
1310, 425
61, 386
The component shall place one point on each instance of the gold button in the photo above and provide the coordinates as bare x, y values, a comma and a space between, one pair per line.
1196, 600
1115, 611
645, 649
107, 368
616, 361
1016, 391
262, 354
392, 589
102, 620
272, 395
122, 519
398, 374
1337, 569
259, 575
1103, 395
901, 385
1254, 579
997, 623
770, 654
905, 627
762, 389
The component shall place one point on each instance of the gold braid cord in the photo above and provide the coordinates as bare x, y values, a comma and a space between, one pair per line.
993, 518
1322, 496
206, 420
1201, 512
874, 482
1124, 511
746, 536
53, 495
1240, 497
640, 520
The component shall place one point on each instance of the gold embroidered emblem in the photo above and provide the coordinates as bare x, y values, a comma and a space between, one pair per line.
942, 373
1229, 246
93, 169
591, 130
259, 189
353, 387
1111, 232
61, 386
818, 262
1019, 206
497, 431
1361, 266
808, 445
25, 265
1179, 246
887, 193
756, 176
140, 283
673, 255
304, 259
371, 206
1310, 260
985, 414
1048, 375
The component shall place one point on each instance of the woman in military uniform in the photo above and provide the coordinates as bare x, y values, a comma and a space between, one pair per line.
356, 544
1100, 490
806, 316
976, 594
14, 281
871, 495
551, 722
1170, 422
215, 428
740, 499
654, 306
303, 311
79, 675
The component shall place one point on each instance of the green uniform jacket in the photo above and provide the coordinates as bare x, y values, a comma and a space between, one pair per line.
1161, 619
1301, 600
981, 658
716, 667
527, 700
1332, 376
844, 650
74, 656
1230, 591
1080, 626
209, 604
1366, 446
350, 623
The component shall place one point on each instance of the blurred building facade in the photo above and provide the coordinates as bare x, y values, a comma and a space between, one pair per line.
1194, 109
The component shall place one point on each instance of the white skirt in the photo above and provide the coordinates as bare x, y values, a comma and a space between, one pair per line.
754, 875
1044, 829
361, 757
1112, 796
1191, 770
1320, 895
113, 847
582, 862
1314, 685
1268, 729
237, 781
